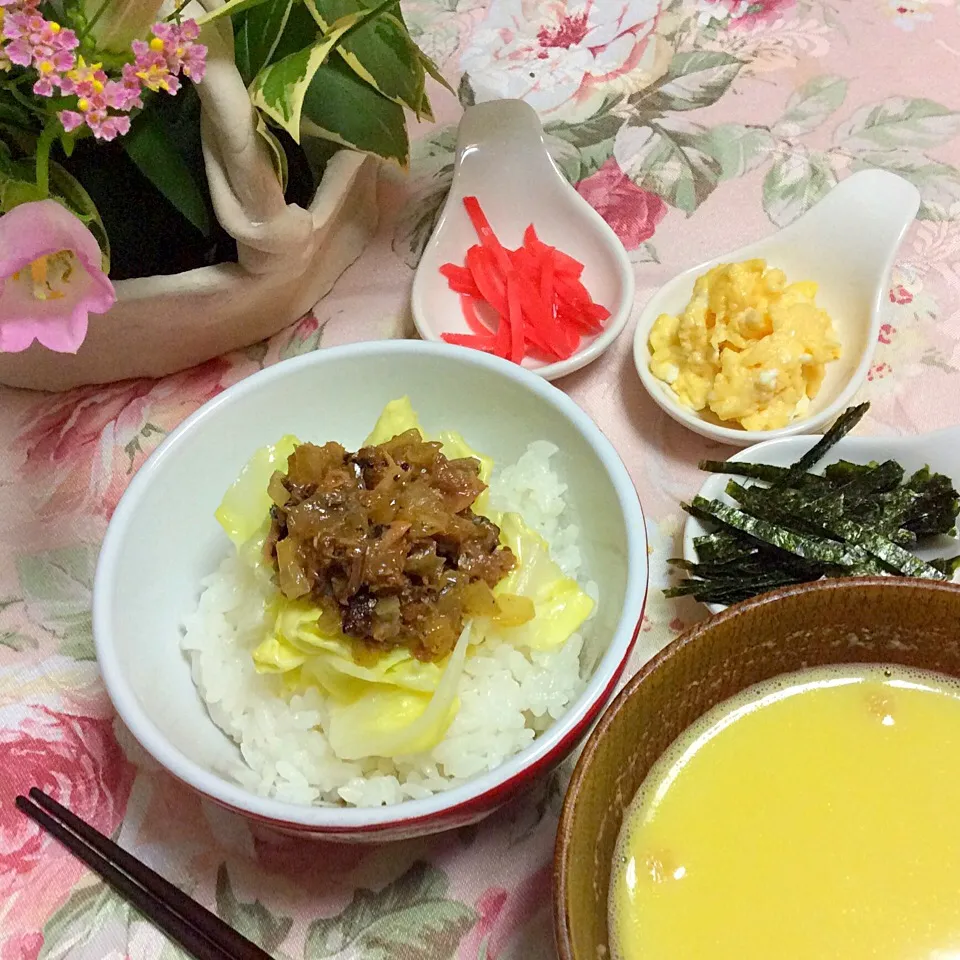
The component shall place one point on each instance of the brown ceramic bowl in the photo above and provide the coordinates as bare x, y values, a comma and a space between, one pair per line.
868, 620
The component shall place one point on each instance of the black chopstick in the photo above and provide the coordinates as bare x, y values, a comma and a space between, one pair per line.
181, 918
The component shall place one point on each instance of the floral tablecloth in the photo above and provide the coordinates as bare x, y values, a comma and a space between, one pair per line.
693, 127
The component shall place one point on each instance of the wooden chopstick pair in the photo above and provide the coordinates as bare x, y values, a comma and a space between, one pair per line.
181, 918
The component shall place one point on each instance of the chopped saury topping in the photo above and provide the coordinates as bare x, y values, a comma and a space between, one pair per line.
386, 541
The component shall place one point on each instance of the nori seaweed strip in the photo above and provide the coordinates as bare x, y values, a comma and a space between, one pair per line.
824, 551
762, 471
946, 565
935, 510
844, 470
843, 425
722, 546
833, 524
893, 555
788, 508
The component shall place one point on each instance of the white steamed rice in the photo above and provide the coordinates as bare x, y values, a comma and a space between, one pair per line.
507, 695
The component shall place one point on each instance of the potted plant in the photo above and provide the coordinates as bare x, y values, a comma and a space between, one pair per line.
179, 181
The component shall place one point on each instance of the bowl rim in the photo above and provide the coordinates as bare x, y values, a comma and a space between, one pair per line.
561, 928
479, 791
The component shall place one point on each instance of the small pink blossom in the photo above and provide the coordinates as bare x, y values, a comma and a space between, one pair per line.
900, 294
50, 278
878, 371
886, 333
743, 14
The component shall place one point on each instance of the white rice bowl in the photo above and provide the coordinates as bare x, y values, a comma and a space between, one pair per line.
507, 695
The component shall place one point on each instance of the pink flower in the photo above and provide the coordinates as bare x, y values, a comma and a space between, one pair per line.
504, 915
80, 448
563, 56
886, 333
77, 761
743, 14
900, 294
40, 43
51, 276
25, 946
172, 51
632, 212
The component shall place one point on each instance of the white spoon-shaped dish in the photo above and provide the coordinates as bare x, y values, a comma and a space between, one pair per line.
939, 450
502, 159
846, 244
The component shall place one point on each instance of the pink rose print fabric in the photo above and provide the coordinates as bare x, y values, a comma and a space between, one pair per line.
692, 127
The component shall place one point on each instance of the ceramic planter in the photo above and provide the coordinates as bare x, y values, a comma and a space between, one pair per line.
288, 257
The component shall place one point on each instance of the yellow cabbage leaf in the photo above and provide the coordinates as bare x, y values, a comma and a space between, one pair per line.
390, 722
301, 641
245, 506
398, 417
561, 606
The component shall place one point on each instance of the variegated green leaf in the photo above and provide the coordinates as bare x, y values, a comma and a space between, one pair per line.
269, 33
898, 122
339, 106
279, 89
412, 917
810, 105
694, 79
938, 183
737, 148
251, 919
670, 157
230, 8
379, 51
277, 153
794, 183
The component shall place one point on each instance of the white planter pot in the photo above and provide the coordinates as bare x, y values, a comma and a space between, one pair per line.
288, 257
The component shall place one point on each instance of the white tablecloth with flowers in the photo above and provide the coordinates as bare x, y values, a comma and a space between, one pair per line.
693, 127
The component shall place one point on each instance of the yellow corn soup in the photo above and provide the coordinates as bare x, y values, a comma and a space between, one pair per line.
814, 817
750, 347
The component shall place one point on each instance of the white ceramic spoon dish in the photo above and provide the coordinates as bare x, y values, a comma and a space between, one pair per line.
939, 450
502, 159
846, 244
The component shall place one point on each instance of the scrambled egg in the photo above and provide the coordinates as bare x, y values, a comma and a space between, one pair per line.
749, 346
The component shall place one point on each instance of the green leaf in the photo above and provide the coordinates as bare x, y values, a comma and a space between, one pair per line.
898, 122
339, 106
645, 253
229, 9
938, 183
433, 71
738, 149
18, 642
252, 920
695, 79
150, 146
280, 88
810, 105
671, 158
277, 153
410, 918
74, 930
56, 588
268, 33
794, 183
581, 149
380, 52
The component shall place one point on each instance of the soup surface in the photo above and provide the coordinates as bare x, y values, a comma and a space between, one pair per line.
815, 816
